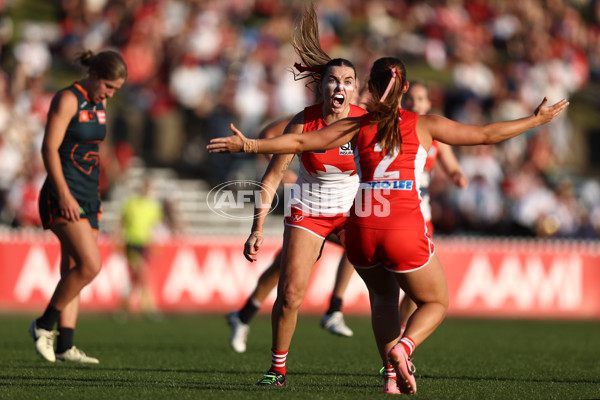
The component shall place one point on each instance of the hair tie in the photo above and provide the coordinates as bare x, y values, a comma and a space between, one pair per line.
391, 82
302, 68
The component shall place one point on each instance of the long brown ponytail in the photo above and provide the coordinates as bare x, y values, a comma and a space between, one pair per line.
386, 82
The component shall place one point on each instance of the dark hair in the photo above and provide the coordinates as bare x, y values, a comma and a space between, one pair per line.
386, 113
305, 40
107, 64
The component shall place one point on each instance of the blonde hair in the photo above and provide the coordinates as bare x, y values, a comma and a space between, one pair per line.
386, 81
306, 43
107, 64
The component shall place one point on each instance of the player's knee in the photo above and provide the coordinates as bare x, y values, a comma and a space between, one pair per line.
90, 269
292, 298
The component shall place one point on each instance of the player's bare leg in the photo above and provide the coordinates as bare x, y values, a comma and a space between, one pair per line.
301, 250
385, 319
428, 289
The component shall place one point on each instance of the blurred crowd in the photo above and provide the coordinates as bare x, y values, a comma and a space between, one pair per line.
197, 65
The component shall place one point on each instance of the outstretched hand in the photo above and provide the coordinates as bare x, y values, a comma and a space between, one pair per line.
230, 144
548, 113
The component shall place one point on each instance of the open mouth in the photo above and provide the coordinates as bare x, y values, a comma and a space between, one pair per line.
338, 100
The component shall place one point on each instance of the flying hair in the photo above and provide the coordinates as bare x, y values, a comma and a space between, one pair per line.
315, 62
306, 43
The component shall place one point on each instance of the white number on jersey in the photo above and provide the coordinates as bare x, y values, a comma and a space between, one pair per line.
381, 170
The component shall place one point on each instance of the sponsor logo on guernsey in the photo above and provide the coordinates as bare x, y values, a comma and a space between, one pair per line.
101, 117
346, 150
393, 185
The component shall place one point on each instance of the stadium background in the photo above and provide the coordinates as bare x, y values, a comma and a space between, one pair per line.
531, 214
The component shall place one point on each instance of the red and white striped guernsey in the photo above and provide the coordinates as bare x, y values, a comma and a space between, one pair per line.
327, 180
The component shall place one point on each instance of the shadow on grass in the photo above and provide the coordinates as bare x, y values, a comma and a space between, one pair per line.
207, 379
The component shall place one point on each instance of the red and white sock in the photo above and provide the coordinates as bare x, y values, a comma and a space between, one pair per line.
389, 372
278, 361
408, 344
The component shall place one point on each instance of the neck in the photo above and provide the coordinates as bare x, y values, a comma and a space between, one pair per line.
331, 117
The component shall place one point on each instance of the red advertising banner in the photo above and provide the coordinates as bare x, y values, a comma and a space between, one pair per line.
486, 277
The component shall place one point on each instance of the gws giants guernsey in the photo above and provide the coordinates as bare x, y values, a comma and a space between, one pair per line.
389, 195
327, 180
79, 153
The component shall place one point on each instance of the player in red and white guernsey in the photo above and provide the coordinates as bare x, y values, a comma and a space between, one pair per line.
318, 205
386, 233
417, 100
333, 319
322, 196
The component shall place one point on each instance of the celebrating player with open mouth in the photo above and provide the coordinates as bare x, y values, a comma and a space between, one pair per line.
386, 234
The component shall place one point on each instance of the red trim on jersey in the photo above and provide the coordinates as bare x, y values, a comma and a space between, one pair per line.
82, 90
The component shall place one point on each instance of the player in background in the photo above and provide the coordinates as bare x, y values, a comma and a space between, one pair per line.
332, 320
69, 199
141, 214
417, 100
386, 235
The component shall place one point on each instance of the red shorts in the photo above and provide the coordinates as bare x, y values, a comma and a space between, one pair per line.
320, 226
398, 250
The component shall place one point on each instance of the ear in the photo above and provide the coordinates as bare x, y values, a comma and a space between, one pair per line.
405, 87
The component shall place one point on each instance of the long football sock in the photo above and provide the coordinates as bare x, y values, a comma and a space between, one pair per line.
65, 339
249, 310
278, 359
48, 319
389, 372
335, 304
408, 344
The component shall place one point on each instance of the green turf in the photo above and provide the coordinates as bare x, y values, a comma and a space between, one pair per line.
188, 357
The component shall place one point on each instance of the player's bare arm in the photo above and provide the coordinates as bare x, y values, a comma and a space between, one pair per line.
332, 136
62, 108
455, 133
450, 165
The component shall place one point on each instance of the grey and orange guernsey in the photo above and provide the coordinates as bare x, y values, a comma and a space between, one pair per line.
80, 159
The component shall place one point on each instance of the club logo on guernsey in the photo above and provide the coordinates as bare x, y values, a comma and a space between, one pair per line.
294, 219
346, 150
393, 185
85, 116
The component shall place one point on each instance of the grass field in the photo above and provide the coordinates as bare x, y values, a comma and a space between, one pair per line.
188, 357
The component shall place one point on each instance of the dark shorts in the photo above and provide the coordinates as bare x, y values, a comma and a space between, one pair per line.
137, 257
49, 211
